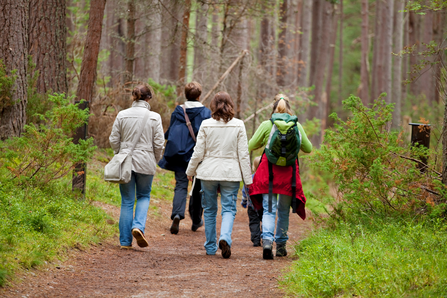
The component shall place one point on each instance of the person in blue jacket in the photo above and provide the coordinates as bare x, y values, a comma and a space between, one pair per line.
178, 151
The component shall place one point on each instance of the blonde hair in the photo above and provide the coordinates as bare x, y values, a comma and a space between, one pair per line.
256, 162
282, 104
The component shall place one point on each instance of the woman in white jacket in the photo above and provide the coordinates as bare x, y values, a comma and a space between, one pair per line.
220, 160
148, 151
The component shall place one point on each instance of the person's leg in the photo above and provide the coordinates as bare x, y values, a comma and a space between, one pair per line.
254, 223
284, 203
195, 205
180, 193
268, 226
209, 204
144, 186
126, 215
228, 198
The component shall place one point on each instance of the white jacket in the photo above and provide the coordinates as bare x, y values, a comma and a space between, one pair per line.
149, 148
221, 152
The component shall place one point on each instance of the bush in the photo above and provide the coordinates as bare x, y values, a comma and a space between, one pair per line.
45, 152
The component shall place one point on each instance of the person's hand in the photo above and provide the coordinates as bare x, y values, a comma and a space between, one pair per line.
190, 178
248, 185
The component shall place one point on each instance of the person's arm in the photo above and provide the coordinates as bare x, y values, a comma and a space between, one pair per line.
199, 153
243, 155
306, 145
260, 137
115, 136
158, 140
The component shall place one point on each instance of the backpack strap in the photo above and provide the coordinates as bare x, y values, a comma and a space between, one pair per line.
188, 123
294, 188
270, 185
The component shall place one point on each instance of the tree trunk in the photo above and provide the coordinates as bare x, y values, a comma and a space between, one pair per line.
91, 50
397, 64
364, 76
377, 56
154, 43
183, 48
426, 77
130, 41
305, 43
200, 64
333, 40
14, 55
296, 53
47, 44
387, 22
282, 44
317, 32
340, 56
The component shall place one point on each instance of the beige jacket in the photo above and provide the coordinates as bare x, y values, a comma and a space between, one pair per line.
221, 152
149, 148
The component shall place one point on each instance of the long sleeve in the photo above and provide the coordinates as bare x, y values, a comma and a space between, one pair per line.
115, 136
159, 140
306, 145
244, 156
199, 153
261, 135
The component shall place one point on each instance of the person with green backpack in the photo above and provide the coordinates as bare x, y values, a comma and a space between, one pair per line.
277, 185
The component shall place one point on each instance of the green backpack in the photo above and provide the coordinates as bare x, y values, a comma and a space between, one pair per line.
284, 141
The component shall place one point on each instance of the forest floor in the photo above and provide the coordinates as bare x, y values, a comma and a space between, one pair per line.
171, 265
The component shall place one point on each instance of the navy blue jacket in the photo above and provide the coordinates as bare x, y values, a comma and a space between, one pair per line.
180, 145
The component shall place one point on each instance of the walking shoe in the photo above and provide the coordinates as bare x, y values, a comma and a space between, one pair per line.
257, 243
139, 236
126, 247
175, 224
281, 250
267, 253
194, 227
226, 250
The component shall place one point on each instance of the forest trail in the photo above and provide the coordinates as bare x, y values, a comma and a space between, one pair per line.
171, 265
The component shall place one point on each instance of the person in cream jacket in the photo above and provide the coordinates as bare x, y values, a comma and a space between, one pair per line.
220, 160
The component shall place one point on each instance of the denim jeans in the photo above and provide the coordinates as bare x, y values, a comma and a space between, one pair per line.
143, 184
228, 199
268, 219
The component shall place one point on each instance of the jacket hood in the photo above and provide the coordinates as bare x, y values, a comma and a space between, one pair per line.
192, 113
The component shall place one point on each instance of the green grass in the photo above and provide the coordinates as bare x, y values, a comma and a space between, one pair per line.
378, 259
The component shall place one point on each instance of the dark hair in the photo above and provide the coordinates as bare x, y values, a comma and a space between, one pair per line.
222, 107
142, 92
193, 90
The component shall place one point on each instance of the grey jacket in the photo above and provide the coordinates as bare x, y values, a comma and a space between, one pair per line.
149, 148
221, 152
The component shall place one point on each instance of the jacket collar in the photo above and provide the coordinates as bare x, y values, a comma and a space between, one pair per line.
193, 104
141, 104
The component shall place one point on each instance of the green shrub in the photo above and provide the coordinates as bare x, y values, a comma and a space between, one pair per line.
7, 81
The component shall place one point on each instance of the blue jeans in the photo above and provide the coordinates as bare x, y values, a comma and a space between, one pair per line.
228, 199
143, 185
268, 218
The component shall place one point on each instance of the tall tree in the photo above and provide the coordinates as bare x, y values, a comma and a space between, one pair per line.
305, 43
184, 47
426, 82
282, 44
340, 55
364, 74
47, 44
13, 54
397, 63
130, 41
317, 32
387, 43
199, 46
377, 63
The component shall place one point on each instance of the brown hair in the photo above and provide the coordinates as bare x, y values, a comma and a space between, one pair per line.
282, 105
142, 92
222, 107
256, 162
193, 90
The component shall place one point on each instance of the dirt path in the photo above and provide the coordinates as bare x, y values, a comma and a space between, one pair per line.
171, 265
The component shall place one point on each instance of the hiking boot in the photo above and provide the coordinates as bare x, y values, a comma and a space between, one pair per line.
194, 226
257, 243
226, 250
175, 224
267, 253
126, 247
139, 236
281, 250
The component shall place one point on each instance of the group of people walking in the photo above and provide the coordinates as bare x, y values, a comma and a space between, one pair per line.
209, 147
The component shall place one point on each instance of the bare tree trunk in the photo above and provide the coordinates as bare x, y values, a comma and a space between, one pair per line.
199, 51
296, 53
183, 48
439, 35
387, 22
47, 44
317, 21
333, 40
154, 43
377, 56
414, 39
305, 43
340, 56
364, 76
130, 41
14, 53
426, 79
405, 59
171, 32
397, 64
282, 44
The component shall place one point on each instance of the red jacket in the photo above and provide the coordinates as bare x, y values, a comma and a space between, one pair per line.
282, 184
